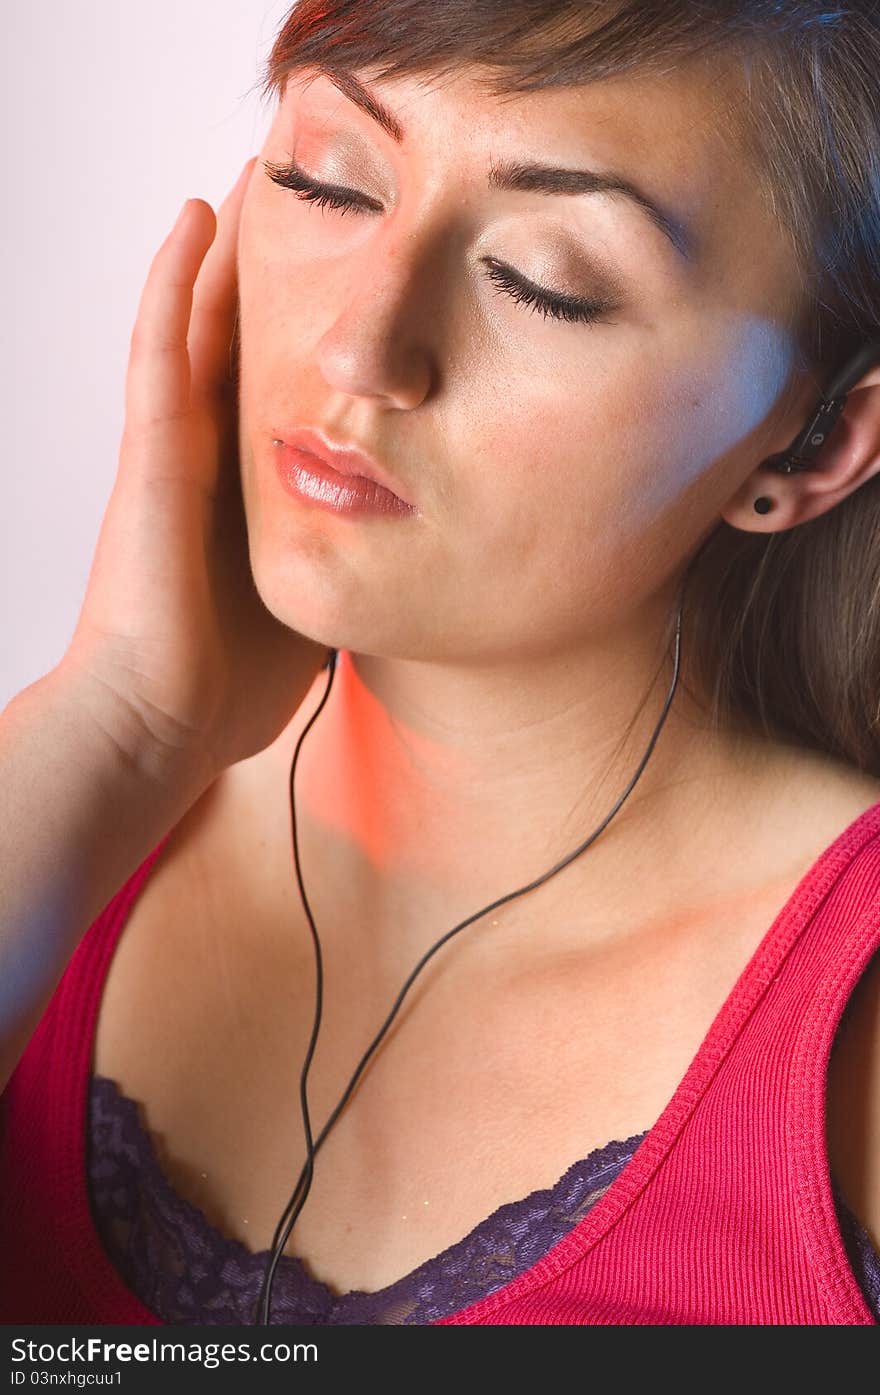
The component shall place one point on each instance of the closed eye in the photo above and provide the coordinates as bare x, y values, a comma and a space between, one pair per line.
290, 176
553, 304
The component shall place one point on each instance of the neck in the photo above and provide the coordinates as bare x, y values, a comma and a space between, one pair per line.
426, 791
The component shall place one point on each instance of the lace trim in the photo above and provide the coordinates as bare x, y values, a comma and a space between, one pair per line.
187, 1271
863, 1258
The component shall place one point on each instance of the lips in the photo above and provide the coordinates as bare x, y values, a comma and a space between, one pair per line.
345, 460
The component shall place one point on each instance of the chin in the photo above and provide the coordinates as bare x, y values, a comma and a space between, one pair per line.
310, 600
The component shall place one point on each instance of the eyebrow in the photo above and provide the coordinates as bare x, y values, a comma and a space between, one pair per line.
516, 176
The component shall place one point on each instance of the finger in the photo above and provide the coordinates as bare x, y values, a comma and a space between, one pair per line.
215, 297
157, 384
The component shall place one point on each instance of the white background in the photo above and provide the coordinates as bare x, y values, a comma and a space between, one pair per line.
113, 113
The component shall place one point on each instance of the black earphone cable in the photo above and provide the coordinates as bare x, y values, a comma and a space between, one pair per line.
303, 1185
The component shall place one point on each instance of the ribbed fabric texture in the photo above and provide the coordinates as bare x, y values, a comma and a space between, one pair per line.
724, 1214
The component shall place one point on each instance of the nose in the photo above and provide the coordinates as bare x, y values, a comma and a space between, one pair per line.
379, 344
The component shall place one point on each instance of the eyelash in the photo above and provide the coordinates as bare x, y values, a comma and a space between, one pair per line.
569, 308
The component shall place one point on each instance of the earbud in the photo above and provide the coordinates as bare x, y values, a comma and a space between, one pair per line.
803, 450
763, 504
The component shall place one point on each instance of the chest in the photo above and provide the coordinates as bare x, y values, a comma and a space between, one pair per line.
500, 1069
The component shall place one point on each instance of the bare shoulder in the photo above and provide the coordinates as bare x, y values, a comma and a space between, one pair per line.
810, 798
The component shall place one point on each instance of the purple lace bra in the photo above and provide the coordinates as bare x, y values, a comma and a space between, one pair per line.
188, 1272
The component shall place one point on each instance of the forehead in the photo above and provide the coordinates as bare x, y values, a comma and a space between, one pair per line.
679, 122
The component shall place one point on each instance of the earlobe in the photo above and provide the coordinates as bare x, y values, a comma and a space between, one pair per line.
751, 500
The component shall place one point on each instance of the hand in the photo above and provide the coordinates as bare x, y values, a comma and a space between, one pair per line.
173, 646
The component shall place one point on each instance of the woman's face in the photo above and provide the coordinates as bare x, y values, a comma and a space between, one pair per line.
561, 470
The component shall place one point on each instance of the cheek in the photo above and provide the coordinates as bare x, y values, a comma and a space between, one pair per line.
558, 464
540, 520
571, 489
283, 251
686, 429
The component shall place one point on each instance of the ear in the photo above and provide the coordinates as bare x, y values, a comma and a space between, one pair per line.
849, 457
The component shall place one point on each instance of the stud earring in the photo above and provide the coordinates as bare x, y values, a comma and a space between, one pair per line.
763, 504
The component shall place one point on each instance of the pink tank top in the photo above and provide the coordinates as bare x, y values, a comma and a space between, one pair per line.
724, 1214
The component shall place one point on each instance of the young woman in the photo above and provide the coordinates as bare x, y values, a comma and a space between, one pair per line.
527, 310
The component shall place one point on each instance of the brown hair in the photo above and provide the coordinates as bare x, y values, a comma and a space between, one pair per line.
783, 627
